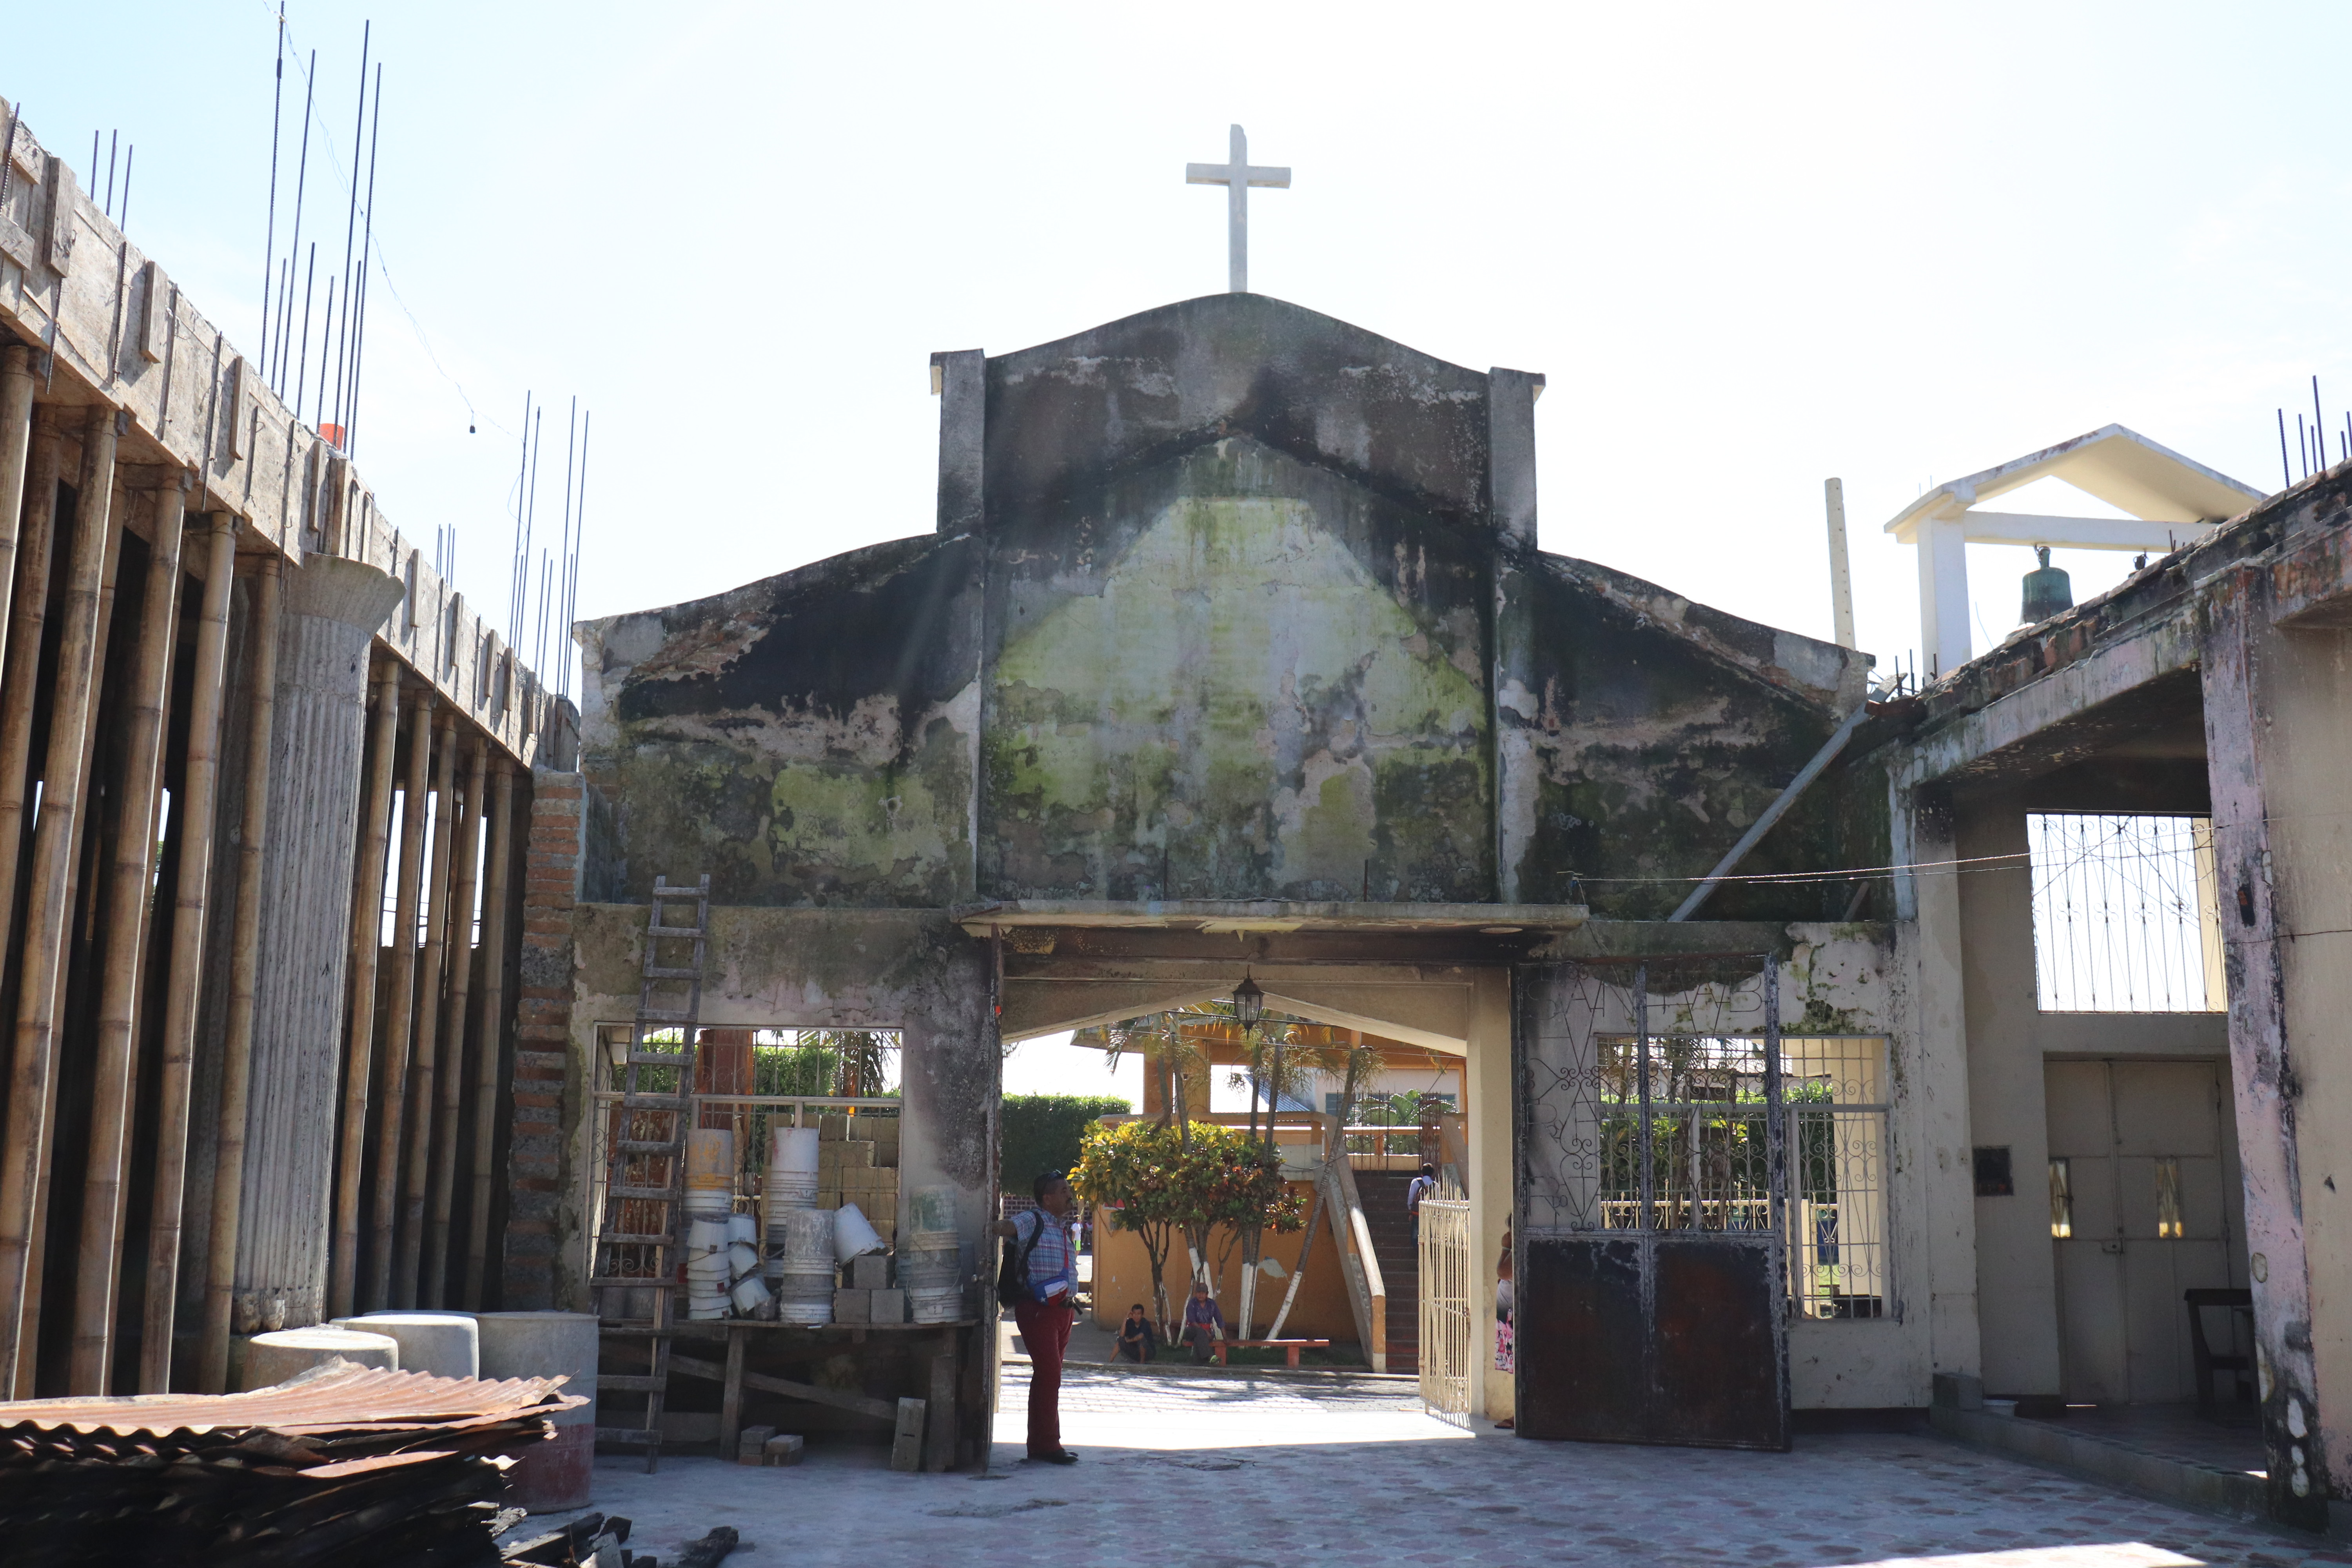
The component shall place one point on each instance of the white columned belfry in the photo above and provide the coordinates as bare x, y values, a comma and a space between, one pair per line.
1237, 176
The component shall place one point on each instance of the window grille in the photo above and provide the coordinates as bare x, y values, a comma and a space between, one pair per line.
1709, 1138
2061, 1200
2125, 918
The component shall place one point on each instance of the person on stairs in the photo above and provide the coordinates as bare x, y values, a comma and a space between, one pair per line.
1040, 1279
1420, 1187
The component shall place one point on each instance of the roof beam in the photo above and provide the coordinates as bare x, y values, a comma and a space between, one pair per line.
2077, 533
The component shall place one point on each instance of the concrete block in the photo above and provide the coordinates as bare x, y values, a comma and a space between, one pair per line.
785, 1448
852, 1306
888, 1307
907, 1442
270, 1359
832, 1128
870, 1272
751, 1444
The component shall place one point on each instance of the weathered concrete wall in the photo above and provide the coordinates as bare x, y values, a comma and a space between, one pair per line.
906, 970
1656, 730
808, 738
1233, 676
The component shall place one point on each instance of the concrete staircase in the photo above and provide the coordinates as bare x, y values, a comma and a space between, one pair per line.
1382, 1193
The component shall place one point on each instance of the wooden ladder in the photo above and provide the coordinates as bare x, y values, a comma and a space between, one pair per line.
645, 1176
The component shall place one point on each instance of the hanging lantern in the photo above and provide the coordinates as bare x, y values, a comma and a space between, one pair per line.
1249, 1004
2048, 590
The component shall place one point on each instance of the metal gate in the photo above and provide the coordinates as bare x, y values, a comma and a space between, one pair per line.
1448, 1325
1650, 1276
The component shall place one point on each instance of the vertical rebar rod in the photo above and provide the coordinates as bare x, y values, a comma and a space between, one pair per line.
366, 952
270, 233
400, 1010
46, 910
191, 903
244, 971
122, 953
367, 248
460, 940
302, 365
350, 232
496, 915
426, 1056
301, 183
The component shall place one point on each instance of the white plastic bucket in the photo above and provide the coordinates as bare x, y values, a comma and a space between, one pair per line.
711, 1159
705, 1235
742, 1259
852, 1235
792, 1151
806, 1312
931, 1209
935, 1306
749, 1295
807, 1237
742, 1228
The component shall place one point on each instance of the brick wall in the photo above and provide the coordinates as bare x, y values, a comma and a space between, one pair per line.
542, 1042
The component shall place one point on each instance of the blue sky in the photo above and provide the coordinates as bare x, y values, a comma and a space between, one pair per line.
1750, 247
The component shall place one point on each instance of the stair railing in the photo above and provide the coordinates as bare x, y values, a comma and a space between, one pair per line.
1368, 1295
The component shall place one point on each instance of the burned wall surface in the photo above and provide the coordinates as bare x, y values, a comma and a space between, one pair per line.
1656, 731
807, 738
1235, 676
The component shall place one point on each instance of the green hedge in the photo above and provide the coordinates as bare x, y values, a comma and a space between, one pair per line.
1043, 1131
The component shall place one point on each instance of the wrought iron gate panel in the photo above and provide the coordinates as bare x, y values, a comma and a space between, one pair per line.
1449, 1348
1651, 1301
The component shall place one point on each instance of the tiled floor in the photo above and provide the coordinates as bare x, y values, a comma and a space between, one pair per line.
1244, 1471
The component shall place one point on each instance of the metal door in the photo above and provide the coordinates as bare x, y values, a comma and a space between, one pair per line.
2143, 1199
1651, 1176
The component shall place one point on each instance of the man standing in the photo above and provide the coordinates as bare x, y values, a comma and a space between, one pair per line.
1420, 1187
1040, 1279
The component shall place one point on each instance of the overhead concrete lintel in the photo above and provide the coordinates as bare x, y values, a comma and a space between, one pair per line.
1243, 918
2072, 688
2078, 532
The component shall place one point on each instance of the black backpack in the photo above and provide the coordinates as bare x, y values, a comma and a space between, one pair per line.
1013, 1275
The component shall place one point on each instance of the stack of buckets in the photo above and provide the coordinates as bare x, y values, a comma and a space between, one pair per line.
800, 1234
722, 1255
930, 1258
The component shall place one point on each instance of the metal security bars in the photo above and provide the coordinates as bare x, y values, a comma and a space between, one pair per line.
1835, 1090
2125, 917
1448, 1316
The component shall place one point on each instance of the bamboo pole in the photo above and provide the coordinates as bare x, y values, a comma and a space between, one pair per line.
46, 911
244, 969
367, 947
200, 785
105, 1178
495, 918
88, 846
16, 453
453, 1033
400, 1013
20, 693
426, 1054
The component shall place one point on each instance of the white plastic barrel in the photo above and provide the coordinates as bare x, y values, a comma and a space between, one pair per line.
852, 1235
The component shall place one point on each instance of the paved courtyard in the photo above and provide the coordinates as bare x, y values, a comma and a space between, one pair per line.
1239, 1472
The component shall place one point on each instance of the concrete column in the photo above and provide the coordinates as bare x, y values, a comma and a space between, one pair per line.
959, 377
2277, 754
1944, 640
1929, 959
546, 1254
331, 608
1486, 1081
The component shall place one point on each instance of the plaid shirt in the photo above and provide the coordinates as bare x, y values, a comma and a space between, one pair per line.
1053, 1262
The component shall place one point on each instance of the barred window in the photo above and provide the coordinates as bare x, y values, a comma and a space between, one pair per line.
1834, 1088
2126, 916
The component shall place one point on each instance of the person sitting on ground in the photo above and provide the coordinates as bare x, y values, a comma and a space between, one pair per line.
1136, 1341
1420, 1187
1203, 1324
1505, 1299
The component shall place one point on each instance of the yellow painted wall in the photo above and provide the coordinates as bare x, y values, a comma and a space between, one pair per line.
1123, 1276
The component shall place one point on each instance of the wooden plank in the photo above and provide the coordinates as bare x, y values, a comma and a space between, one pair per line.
940, 1422
730, 1395
907, 1443
840, 1399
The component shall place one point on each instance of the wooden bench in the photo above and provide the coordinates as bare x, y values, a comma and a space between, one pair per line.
1289, 1348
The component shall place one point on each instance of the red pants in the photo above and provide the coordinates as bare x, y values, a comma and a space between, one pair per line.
1045, 1330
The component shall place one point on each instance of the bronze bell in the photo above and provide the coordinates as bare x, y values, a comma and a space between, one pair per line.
2048, 590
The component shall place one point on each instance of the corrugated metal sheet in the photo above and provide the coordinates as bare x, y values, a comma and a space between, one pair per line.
338, 1397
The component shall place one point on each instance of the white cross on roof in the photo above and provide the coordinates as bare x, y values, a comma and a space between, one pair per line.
1237, 176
